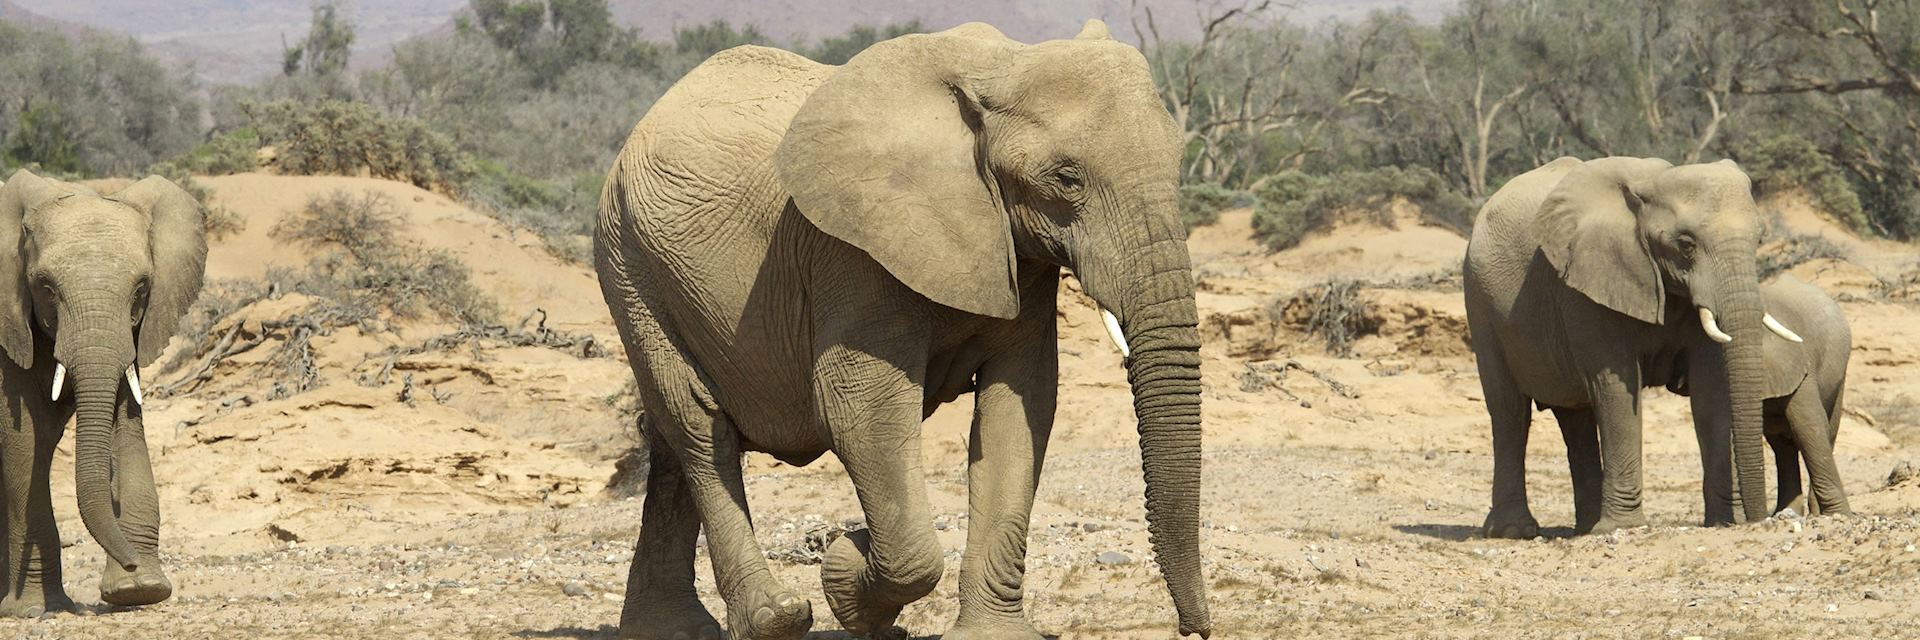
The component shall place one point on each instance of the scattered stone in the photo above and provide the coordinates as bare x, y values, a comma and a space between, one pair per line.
1431, 454
1091, 527
575, 588
1871, 595
1360, 563
1902, 473
1112, 558
1833, 608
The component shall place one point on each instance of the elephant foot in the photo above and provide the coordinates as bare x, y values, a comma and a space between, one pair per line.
689, 621
143, 586
852, 601
34, 602
1517, 525
1611, 523
1021, 630
769, 615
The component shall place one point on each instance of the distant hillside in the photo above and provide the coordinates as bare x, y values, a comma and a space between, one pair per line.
229, 41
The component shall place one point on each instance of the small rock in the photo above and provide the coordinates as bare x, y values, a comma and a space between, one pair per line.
575, 588
1112, 558
1787, 514
1090, 527
1842, 570
1360, 563
940, 525
1430, 505
610, 596
1871, 595
1431, 454
1832, 608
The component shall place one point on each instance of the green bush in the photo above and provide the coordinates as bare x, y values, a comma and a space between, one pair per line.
350, 138
1786, 161
231, 152
561, 211
1291, 204
1201, 204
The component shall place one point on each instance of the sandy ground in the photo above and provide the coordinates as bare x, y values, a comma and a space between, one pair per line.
1343, 495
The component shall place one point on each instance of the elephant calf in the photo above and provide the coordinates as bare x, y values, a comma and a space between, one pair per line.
1805, 382
96, 286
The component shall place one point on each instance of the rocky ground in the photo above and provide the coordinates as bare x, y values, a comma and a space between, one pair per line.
460, 492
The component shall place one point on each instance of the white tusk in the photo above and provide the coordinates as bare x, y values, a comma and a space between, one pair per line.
1780, 329
1713, 328
59, 378
1113, 331
133, 383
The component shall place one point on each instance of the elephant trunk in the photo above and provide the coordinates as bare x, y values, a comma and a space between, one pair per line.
1740, 313
1164, 371
97, 373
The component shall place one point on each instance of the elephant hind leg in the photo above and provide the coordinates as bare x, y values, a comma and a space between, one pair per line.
692, 428
1512, 416
1786, 461
1814, 433
1582, 436
661, 599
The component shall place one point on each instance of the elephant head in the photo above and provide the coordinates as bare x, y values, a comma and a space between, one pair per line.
1667, 245
950, 157
107, 278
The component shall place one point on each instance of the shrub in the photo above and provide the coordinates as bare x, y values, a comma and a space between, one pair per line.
1291, 204
562, 212
231, 152
1793, 251
369, 272
350, 138
1201, 204
1786, 161
218, 221
1334, 311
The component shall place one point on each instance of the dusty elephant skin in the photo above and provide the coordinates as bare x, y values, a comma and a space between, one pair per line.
1582, 281
97, 286
1805, 382
803, 258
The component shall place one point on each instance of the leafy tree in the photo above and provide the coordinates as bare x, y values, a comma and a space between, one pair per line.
840, 49
328, 45
44, 138
702, 41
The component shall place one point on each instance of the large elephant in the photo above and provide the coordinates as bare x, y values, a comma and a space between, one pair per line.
803, 258
1583, 280
96, 286
1805, 382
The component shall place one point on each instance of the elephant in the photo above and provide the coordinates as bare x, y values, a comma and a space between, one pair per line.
1582, 281
98, 284
803, 258
1805, 383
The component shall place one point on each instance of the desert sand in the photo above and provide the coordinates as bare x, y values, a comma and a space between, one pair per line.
461, 493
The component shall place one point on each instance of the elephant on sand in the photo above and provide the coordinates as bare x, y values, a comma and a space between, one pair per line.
96, 286
803, 258
1582, 282
1805, 383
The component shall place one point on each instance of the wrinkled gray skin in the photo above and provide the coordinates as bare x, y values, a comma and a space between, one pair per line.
94, 283
803, 258
1583, 279
1805, 383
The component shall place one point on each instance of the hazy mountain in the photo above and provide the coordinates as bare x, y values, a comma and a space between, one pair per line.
241, 40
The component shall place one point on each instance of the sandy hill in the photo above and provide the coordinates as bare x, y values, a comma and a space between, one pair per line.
423, 491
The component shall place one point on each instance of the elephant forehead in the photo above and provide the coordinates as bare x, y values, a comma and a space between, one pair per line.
84, 224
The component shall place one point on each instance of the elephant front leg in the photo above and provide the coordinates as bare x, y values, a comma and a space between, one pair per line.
1616, 408
32, 541
139, 516
1012, 421
874, 410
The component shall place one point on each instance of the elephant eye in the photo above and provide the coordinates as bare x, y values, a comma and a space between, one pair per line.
1685, 243
1067, 177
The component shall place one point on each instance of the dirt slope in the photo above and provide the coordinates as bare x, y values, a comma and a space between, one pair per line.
1342, 494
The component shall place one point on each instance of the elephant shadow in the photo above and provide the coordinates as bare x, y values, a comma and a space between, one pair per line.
1464, 532
610, 631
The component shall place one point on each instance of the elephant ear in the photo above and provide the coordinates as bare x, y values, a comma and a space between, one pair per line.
1588, 228
22, 193
885, 155
179, 241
